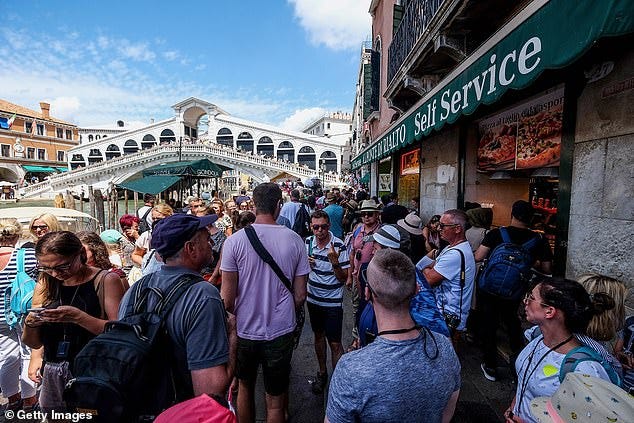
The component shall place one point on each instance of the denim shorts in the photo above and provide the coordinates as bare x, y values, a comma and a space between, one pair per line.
275, 358
328, 320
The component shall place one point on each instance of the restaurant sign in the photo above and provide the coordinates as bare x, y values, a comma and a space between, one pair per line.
542, 41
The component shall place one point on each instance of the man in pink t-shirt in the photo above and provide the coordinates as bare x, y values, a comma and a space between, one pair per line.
264, 307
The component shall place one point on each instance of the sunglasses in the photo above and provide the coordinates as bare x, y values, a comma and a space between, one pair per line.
39, 227
529, 297
57, 269
367, 214
325, 227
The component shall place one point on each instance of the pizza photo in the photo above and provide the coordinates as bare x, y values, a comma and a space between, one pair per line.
539, 139
497, 148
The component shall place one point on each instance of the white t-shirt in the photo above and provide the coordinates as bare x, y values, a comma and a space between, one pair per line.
143, 241
448, 292
543, 377
142, 211
289, 211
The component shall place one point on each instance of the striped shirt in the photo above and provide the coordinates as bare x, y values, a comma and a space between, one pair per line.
324, 289
9, 272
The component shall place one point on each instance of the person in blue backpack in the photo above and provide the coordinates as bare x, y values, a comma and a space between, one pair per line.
562, 309
501, 304
15, 384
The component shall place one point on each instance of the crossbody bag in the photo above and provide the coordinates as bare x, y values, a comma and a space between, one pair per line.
300, 314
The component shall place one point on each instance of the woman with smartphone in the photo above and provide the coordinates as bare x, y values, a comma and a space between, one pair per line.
77, 301
14, 359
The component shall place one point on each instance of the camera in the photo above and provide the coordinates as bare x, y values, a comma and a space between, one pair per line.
452, 320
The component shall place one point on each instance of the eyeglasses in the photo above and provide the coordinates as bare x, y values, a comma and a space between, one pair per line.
529, 297
39, 227
325, 227
62, 268
446, 225
367, 214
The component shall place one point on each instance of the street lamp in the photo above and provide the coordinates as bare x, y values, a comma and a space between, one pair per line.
322, 169
180, 149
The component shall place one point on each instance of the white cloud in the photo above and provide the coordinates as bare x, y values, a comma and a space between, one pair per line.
338, 24
300, 119
103, 85
170, 55
65, 108
138, 51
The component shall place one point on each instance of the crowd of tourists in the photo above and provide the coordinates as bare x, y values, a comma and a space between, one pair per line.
178, 311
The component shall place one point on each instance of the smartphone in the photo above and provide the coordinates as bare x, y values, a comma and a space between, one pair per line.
36, 310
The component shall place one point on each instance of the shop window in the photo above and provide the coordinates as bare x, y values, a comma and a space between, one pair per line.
6, 150
59, 132
41, 154
30, 153
40, 129
69, 134
61, 156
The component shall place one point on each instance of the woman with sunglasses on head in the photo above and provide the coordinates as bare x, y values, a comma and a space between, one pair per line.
431, 232
15, 385
561, 308
76, 301
40, 226
142, 254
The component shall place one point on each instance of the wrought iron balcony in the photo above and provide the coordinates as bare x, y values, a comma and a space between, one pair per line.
416, 19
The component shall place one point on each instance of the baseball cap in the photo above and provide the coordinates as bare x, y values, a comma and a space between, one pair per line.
388, 236
170, 234
110, 236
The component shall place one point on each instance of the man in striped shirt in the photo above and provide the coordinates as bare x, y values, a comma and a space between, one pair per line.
329, 264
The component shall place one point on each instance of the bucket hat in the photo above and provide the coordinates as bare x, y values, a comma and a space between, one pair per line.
411, 223
388, 236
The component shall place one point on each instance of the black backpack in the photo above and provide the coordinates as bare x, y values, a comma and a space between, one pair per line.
126, 373
302, 222
143, 225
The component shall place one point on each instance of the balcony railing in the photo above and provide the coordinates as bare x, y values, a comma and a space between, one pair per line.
418, 15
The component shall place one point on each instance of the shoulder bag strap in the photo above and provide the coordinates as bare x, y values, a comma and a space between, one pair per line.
19, 260
463, 276
145, 214
266, 257
505, 235
100, 290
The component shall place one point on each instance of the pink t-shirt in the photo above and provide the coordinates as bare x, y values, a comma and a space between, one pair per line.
264, 307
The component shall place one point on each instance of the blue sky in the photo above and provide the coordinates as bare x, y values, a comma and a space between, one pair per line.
283, 62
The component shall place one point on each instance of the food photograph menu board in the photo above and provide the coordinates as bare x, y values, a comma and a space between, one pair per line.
524, 137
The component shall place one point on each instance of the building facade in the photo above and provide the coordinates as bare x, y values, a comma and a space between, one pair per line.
336, 126
34, 145
496, 101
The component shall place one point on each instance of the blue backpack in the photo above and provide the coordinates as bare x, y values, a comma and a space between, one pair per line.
506, 272
18, 295
584, 353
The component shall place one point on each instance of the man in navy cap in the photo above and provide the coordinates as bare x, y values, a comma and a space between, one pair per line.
203, 339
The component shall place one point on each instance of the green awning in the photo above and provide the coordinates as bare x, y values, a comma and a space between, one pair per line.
39, 169
203, 168
545, 35
61, 169
365, 179
150, 184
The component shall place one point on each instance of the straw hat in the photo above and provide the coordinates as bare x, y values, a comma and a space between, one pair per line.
369, 206
584, 399
352, 205
411, 224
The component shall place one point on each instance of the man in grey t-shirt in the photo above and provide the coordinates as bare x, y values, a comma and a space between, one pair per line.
418, 370
204, 340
